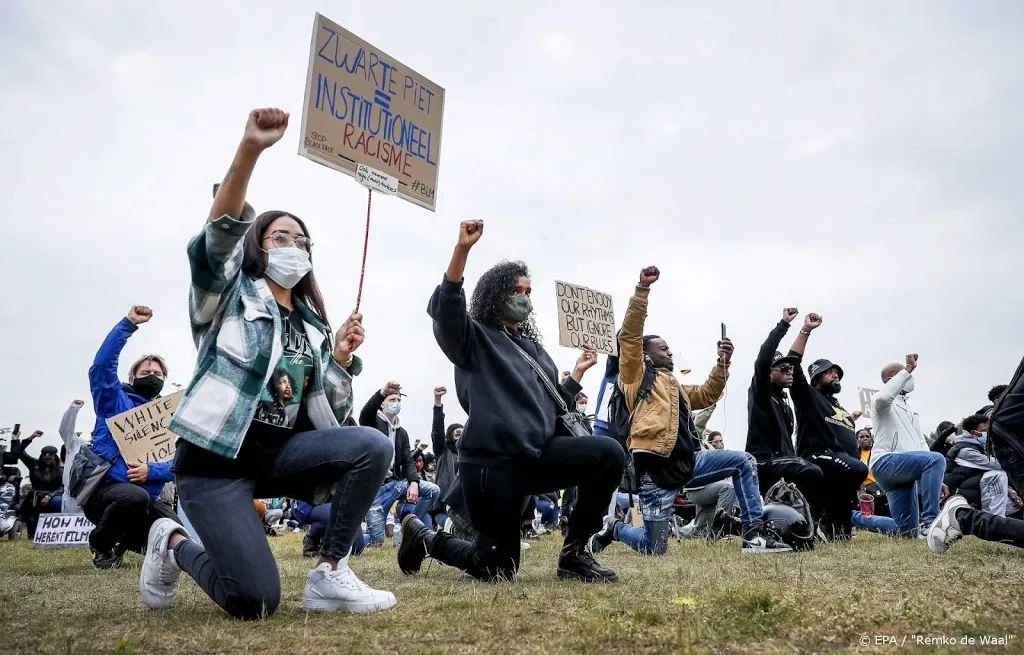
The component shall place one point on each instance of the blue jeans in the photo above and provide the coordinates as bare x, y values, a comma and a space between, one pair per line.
708, 466
900, 475
875, 523
548, 512
389, 492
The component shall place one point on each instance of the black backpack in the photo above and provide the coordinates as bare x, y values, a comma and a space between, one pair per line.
620, 422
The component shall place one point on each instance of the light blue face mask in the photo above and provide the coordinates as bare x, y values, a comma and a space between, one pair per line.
983, 437
392, 409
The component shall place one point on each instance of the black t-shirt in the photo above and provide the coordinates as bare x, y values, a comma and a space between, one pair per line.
674, 471
280, 413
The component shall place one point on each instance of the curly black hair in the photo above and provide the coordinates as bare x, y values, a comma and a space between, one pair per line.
493, 289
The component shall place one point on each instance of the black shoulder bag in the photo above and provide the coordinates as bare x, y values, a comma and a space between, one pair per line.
574, 423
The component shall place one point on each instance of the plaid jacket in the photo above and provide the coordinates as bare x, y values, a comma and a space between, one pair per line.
237, 328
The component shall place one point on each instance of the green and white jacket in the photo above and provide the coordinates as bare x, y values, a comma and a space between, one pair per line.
237, 329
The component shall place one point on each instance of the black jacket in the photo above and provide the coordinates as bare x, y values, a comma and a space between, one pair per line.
769, 418
44, 479
405, 467
823, 426
511, 414
444, 447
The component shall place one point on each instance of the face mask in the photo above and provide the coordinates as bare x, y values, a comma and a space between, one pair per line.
148, 387
582, 408
908, 387
517, 309
983, 437
287, 266
392, 409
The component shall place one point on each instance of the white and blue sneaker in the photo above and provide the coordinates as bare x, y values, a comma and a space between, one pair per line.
158, 578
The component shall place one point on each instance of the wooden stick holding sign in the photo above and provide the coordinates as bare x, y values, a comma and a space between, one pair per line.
141, 434
586, 318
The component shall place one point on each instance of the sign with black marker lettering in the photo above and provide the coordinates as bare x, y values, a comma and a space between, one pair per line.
141, 433
62, 531
363, 106
585, 318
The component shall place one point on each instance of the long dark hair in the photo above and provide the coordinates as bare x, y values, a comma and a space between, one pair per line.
253, 265
492, 291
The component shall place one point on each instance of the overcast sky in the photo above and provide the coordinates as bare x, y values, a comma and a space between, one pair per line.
861, 160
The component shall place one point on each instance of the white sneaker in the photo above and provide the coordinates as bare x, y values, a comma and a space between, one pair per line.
158, 579
945, 529
328, 590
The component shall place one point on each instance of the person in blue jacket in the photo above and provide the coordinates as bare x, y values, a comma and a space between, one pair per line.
128, 501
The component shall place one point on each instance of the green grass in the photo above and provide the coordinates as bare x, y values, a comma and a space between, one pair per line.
698, 598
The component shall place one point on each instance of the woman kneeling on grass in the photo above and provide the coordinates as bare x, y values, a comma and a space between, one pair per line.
508, 450
261, 416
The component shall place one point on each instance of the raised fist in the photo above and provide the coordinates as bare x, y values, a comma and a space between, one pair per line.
789, 313
911, 362
649, 276
439, 393
812, 321
391, 387
265, 127
470, 232
140, 314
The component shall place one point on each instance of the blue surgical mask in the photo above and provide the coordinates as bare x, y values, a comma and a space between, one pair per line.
392, 409
983, 437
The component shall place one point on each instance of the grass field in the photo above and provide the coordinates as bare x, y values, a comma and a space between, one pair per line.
698, 598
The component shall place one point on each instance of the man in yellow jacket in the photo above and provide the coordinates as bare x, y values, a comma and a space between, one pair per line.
664, 442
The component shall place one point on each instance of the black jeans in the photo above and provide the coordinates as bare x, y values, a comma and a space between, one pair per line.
843, 476
123, 513
235, 565
991, 527
494, 498
807, 477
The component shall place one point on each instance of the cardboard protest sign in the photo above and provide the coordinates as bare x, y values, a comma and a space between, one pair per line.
866, 396
363, 106
62, 531
141, 433
585, 318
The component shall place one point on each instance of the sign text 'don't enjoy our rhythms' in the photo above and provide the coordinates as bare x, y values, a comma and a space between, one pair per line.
363, 106
585, 318
142, 434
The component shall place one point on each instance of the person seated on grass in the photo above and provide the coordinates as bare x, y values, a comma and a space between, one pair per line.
664, 442
403, 480
262, 415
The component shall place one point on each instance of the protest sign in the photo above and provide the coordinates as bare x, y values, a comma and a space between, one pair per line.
585, 318
62, 531
141, 433
363, 106
866, 396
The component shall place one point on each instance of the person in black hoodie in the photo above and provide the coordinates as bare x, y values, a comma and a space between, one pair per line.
403, 480
826, 437
46, 474
770, 420
509, 449
446, 449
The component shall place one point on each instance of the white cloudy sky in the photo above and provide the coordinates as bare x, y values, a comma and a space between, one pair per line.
861, 160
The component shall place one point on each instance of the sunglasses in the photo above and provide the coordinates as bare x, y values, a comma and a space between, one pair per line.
785, 368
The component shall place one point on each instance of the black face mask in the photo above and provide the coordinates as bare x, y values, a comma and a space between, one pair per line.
148, 387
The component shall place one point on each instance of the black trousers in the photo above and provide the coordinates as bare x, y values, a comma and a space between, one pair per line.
123, 513
843, 476
991, 527
494, 499
807, 477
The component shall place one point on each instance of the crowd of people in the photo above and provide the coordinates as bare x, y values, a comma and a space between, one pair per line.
268, 438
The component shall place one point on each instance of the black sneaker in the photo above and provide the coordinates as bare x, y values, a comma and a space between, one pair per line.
106, 561
724, 525
605, 536
310, 546
417, 539
563, 524
576, 563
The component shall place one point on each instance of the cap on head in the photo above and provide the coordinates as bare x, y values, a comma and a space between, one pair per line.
779, 358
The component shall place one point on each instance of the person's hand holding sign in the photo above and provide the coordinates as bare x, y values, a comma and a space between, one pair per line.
585, 362
348, 338
138, 473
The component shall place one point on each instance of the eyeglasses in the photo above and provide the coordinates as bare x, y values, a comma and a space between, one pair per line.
285, 240
785, 368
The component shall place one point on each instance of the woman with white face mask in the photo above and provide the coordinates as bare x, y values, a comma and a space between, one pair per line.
262, 415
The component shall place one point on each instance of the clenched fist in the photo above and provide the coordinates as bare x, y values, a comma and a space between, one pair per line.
470, 232
789, 313
649, 276
265, 127
140, 314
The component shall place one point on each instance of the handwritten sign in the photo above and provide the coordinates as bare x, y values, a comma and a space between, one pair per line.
363, 106
585, 318
866, 396
376, 180
141, 433
62, 531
